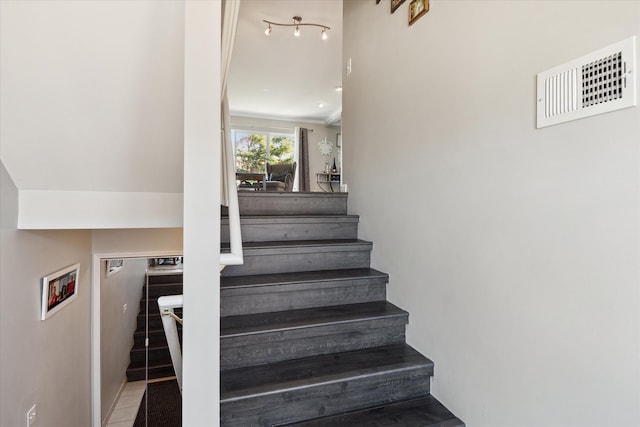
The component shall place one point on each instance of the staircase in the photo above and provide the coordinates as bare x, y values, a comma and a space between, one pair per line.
162, 281
307, 336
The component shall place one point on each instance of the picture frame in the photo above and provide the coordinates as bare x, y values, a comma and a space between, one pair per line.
58, 289
114, 265
396, 4
339, 140
417, 8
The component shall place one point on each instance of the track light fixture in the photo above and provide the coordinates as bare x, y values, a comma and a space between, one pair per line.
297, 23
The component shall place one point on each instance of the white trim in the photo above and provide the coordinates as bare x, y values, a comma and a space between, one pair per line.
114, 404
316, 121
43, 209
334, 118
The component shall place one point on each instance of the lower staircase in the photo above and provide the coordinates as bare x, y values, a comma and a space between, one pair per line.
162, 281
307, 336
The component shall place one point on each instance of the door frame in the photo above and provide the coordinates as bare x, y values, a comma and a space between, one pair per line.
96, 372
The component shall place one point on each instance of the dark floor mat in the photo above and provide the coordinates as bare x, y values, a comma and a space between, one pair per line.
164, 406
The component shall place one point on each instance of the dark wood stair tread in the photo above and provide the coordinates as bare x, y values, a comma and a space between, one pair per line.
140, 364
293, 374
423, 412
292, 219
152, 346
309, 277
304, 318
247, 246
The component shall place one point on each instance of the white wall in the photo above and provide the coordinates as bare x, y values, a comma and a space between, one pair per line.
43, 362
118, 325
166, 241
317, 132
515, 250
201, 333
99, 85
91, 109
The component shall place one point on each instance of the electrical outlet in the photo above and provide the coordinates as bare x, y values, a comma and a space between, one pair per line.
31, 416
348, 66
124, 309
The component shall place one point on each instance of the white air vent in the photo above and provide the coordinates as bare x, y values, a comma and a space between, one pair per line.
593, 84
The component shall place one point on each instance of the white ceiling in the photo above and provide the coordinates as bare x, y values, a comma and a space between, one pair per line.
281, 76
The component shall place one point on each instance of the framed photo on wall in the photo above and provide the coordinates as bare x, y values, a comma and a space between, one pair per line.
417, 8
395, 4
113, 266
58, 290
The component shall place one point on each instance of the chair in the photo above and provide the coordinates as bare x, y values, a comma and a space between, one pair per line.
280, 177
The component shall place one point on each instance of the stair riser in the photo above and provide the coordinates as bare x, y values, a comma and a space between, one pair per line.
298, 404
156, 291
260, 203
414, 413
291, 261
138, 374
155, 355
168, 278
266, 299
154, 320
156, 339
153, 306
278, 231
260, 349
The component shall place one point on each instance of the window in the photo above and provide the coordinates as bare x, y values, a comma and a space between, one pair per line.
253, 149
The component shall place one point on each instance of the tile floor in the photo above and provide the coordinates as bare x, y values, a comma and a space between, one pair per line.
127, 406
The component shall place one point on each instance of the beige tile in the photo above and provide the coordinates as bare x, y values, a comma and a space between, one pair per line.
136, 387
121, 424
123, 414
128, 400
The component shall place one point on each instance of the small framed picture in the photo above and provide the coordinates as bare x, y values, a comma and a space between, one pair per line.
113, 266
59, 289
417, 8
395, 4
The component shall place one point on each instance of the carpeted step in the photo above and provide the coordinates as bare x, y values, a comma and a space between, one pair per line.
423, 412
290, 291
272, 337
159, 290
153, 302
154, 320
304, 389
299, 256
137, 373
156, 336
158, 355
293, 227
160, 278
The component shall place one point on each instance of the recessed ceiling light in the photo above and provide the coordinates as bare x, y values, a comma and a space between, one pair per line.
321, 105
338, 88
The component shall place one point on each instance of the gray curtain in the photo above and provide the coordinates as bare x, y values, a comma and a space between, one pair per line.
303, 160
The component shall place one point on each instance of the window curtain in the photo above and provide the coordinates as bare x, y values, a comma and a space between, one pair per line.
303, 166
230, 11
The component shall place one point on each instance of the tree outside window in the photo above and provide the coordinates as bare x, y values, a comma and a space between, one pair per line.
253, 149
